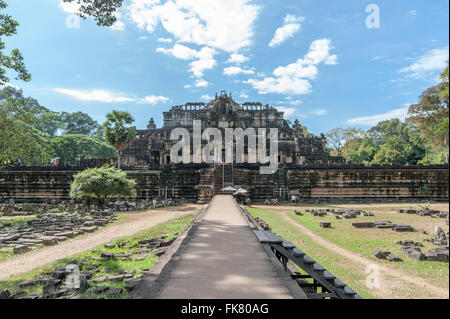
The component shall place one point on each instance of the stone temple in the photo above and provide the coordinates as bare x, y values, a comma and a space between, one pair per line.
152, 146
304, 166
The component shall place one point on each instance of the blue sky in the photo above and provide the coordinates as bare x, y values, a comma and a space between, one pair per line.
317, 60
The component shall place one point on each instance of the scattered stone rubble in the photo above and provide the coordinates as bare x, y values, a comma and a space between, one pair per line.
384, 224
93, 278
338, 213
425, 212
49, 229
55, 206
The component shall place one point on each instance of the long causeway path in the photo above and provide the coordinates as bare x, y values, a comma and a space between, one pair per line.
221, 259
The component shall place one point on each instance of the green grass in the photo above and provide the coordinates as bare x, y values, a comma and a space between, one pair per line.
331, 262
89, 258
364, 241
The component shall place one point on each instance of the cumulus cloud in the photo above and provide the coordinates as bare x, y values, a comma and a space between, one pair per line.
69, 7
204, 59
374, 119
318, 112
243, 96
200, 83
427, 65
224, 25
164, 40
154, 99
288, 111
291, 26
235, 70
95, 95
236, 58
294, 79
206, 97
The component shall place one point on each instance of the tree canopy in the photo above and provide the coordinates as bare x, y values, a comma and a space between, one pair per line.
430, 114
72, 146
102, 183
422, 138
33, 133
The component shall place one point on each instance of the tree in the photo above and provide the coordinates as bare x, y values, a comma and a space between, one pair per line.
72, 146
392, 152
103, 11
18, 140
102, 183
13, 61
80, 123
28, 110
342, 141
116, 133
430, 114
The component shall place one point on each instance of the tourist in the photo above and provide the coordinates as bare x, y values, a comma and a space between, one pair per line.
267, 201
293, 198
154, 202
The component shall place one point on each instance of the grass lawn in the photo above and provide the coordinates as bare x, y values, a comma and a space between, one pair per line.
361, 241
322, 255
89, 258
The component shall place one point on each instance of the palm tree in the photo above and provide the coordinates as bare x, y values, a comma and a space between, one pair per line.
116, 133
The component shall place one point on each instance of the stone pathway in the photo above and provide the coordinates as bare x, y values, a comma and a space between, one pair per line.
221, 259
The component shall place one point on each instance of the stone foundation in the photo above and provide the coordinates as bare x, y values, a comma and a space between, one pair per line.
193, 183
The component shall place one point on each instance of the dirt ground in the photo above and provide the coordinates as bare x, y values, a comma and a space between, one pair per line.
395, 280
133, 223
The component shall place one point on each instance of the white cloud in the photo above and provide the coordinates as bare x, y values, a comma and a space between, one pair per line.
295, 102
94, 95
318, 112
163, 40
187, 86
205, 62
288, 111
205, 57
225, 25
291, 26
236, 58
119, 25
10, 85
200, 83
153, 99
206, 97
143, 37
427, 65
69, 7
375, 119
413, 12
243, 96
294, 79
234, 70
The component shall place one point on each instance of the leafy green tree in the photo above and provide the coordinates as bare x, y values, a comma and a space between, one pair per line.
102, 183
18, 140
430, 114
341, 141
13, 61
101, 10
80, 123
72, 146
28, 110
117, 133
391, 152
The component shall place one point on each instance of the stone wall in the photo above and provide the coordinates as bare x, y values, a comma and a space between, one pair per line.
196, 182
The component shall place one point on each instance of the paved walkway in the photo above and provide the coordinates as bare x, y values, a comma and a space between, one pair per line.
221, 259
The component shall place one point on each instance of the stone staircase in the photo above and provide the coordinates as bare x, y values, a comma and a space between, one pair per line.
223, 177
